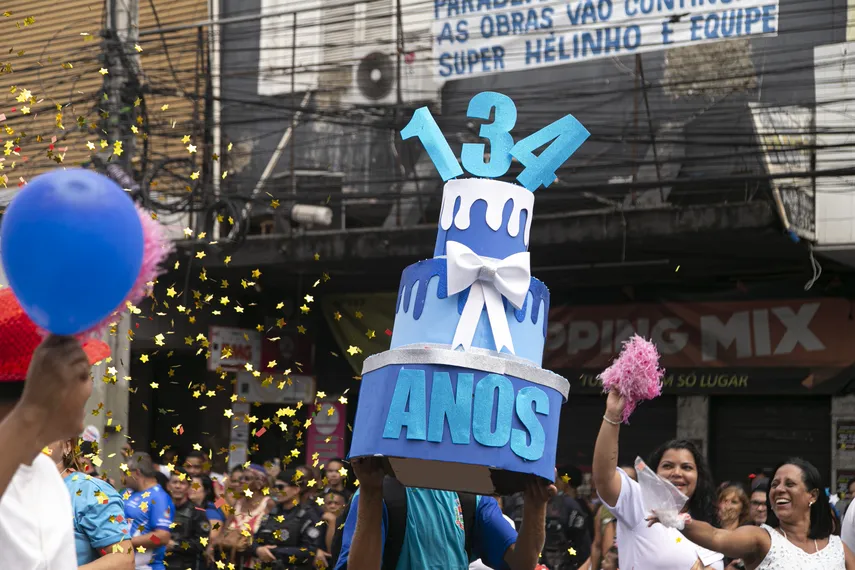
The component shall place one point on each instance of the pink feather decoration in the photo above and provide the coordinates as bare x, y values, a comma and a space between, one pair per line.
156, 248
635, 374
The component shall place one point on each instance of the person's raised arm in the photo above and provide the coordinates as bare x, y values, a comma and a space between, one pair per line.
51, 406
850, 558
747, 542
605, 474
366, 548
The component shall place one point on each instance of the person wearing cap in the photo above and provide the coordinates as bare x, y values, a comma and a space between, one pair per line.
44, 386
150, 510
289, 534
190, 531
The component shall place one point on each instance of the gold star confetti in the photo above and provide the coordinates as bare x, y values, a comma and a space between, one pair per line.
191, 148
138, 48
358, 314
337, 316
164, 107
144, 358
194, 176
353, 350
571, 551
90, 145
103, 71
370, 333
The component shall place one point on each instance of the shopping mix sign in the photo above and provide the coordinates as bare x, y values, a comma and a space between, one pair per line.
481, 37
746, 334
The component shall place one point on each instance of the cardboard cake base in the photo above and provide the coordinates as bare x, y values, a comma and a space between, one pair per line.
475, 421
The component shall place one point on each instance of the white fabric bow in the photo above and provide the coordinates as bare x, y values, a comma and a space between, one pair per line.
490, 279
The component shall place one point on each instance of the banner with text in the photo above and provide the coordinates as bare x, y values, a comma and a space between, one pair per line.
481, 37
765, 339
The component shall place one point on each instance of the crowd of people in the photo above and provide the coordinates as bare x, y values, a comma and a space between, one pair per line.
58, 513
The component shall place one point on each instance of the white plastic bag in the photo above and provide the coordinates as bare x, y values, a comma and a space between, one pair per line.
659, 496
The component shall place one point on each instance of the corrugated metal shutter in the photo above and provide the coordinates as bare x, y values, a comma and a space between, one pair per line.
173, 64
276, 43
56, 58
51, 59
750, 433
652, 424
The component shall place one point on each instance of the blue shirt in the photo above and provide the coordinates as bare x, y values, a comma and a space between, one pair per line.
435, 537
147, 512
99, 516
214, 514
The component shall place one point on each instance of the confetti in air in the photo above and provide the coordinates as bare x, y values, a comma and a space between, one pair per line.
635, 374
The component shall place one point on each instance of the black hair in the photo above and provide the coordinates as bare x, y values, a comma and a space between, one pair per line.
339, 493
181, 471
574, 474
821, 523
760, 487
702, 502
237, 469
208, 487
197, 455
849, 483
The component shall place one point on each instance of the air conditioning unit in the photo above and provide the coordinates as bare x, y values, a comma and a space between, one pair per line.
375, 76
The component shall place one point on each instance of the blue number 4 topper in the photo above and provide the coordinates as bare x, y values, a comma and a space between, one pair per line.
565, 137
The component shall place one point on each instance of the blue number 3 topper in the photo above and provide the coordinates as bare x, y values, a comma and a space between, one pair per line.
565, 137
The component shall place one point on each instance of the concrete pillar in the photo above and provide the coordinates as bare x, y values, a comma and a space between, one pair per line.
842, 411
693, 420
111, 400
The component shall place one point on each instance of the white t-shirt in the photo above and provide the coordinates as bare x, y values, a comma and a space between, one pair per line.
36, 521
847, 532
657, 546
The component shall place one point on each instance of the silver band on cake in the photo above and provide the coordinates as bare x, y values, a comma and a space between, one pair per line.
474, 358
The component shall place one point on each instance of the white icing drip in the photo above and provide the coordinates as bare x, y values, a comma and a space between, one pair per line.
496, 194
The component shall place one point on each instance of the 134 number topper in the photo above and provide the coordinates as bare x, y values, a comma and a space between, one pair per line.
564, 136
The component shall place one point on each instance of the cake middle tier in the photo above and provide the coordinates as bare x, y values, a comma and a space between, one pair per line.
426, 313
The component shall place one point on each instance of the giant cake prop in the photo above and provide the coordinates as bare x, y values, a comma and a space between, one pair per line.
460, 401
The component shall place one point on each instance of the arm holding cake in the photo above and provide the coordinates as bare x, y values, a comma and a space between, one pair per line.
366, 548
524, 554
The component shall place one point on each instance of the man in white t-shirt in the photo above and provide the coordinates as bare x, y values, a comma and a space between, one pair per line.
847, 533
43, 390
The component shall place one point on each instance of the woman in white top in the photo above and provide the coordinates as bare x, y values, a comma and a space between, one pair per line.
801, 541
640, 545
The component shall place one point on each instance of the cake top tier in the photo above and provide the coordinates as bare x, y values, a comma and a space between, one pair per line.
490, 217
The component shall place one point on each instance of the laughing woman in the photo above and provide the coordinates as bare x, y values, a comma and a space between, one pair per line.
801, 541
641, 546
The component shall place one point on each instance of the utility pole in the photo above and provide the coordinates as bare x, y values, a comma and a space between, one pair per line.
122, 62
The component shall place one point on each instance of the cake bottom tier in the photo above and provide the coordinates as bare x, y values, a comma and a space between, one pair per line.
475, 421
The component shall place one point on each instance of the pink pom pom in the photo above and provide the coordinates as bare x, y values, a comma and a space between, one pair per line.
635, 374
156, 248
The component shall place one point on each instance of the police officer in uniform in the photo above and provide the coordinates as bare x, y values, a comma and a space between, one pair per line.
289, 537
190, 529
568, 541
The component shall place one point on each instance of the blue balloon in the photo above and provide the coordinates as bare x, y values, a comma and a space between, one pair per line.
72, 248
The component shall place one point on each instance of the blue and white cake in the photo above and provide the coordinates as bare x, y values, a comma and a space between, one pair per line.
460, 401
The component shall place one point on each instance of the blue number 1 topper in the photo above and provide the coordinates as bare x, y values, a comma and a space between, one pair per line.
564, 137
